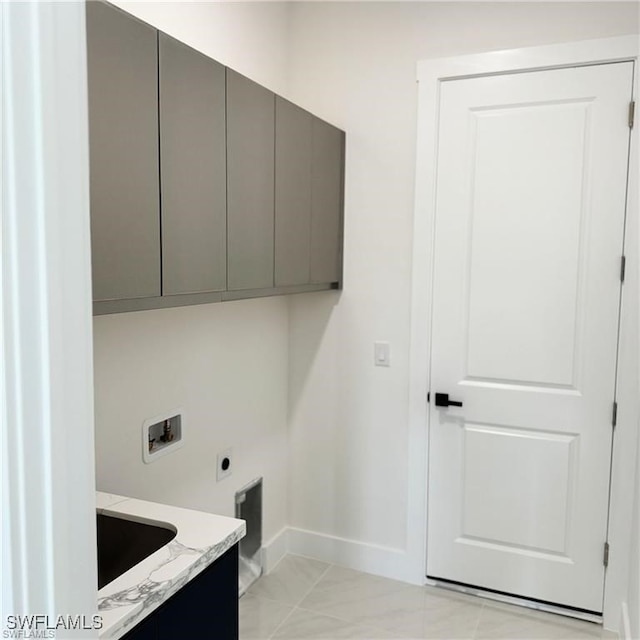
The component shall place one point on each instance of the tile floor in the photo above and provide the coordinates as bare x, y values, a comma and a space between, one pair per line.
303, 599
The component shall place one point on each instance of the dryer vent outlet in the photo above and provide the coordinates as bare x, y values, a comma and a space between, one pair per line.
249, 509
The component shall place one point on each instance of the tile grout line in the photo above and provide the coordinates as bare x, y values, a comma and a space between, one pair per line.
271, 600
485, 607
295, 606
275, 566
377, 627
360, 624
273, 635
366, 626
356, 623
278, 602
275, 599
314, 585
475, 631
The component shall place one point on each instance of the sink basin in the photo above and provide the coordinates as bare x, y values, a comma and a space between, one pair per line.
123, 543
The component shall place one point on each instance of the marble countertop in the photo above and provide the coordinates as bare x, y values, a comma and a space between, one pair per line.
201, 538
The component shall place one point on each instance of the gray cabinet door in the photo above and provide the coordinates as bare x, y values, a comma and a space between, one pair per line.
327, 202
293, 194
122, 62
250, 184
192, 170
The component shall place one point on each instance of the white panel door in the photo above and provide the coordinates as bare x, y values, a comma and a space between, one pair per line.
532, 171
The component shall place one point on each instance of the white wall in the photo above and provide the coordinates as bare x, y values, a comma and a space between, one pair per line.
249, 37
355, 65
225, 364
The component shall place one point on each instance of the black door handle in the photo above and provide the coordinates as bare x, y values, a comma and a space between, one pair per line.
442, 400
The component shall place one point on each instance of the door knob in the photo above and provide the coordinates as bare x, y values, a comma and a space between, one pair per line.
442, 400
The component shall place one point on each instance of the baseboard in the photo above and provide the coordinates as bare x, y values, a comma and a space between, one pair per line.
274, 550
624, 632
379, 560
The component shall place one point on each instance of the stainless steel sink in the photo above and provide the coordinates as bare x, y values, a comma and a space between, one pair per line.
124, 543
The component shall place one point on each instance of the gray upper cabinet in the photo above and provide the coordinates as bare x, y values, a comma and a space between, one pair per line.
250, 184
308, 199
327, 188
293, 194
193, 170
205, 186
122, 60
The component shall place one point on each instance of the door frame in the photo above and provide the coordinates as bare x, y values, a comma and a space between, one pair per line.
430, 74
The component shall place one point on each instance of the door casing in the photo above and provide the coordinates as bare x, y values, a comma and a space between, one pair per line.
430, 74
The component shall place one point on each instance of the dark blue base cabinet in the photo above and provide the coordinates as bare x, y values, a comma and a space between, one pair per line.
206, 608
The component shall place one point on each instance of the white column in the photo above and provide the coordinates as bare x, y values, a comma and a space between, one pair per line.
48, 481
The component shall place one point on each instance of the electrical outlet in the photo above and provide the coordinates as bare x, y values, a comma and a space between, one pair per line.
225, 464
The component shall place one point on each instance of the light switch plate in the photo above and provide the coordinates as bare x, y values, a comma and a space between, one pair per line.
381, 354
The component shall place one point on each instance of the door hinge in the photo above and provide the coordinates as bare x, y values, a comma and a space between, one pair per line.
632, 114
605, 558
614, 415
623, 267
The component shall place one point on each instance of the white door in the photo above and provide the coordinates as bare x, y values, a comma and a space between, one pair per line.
532, 171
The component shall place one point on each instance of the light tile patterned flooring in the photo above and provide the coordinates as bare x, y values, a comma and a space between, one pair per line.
303, 599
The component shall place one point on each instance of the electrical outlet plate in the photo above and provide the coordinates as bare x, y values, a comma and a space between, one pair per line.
221, 472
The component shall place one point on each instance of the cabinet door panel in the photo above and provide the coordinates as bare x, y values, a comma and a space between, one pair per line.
293, 194
206, 607
122, 61
193, 170
250, 183
145, 630
326, 202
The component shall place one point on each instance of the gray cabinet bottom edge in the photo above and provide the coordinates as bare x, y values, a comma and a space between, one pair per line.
105, 307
